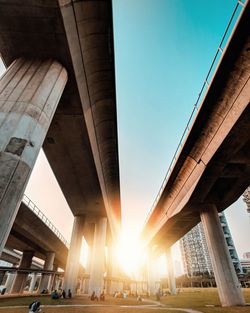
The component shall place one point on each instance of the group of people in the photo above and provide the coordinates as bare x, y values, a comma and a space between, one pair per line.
60, 294
94, 297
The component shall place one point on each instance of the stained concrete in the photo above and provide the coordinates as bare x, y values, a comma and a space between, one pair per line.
29, 232
229, 287
80, 36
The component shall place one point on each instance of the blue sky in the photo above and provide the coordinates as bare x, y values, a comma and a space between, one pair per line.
163, 50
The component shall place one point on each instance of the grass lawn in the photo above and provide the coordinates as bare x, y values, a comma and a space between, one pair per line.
94, 310
46, 300
196, 298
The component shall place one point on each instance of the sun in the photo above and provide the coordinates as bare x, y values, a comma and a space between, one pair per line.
130, 255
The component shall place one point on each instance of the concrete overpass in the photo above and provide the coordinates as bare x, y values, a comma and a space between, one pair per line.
35, 236
59, 93
212, 169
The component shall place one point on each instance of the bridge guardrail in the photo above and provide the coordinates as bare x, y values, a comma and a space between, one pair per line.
31, 205
234, 17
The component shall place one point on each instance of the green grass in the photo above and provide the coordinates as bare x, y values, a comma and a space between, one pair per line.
93, 310
46, 300
196, 299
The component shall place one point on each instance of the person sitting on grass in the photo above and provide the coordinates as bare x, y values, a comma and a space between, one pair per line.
63, 294
54, 295
69, 294
93, 297
34, 307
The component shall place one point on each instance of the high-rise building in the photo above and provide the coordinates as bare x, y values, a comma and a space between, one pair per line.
195, 254
246, 255
246, 198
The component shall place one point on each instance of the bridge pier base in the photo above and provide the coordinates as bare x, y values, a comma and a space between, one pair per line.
29, 93
73, 260
96, 281
227, 282
9, 281
171, 276
33, 282
21, 278
48, 265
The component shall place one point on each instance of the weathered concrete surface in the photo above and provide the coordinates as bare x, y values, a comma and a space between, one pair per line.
80, 36
14, 258
73, 260
214, 163
48, 265
97, 266
20, 278
30, 233
171, 275
229, 287
29, 93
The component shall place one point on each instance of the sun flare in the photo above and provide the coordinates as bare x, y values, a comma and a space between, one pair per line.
130, 255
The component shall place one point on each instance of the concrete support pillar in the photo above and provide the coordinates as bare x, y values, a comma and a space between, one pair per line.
72, 267
171, 276
151, 268
98, 260
2, 274
9, 281
33, 282
226, 279
57, 282
21, 278
29, 93
48, 265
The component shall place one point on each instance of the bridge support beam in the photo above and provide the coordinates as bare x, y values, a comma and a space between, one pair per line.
96, 281
171, 276
9, 281
151, 273
73, 261
21, 278
48, 265
2, 274
29, 93
33, 282
226, 279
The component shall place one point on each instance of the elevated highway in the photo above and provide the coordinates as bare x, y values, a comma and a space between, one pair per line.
30, 232
59, 94
214, 163
212, 169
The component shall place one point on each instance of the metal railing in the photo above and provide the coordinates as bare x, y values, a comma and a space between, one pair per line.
206, 84
31, 205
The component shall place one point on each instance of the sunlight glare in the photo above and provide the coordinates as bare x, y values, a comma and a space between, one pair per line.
130, 254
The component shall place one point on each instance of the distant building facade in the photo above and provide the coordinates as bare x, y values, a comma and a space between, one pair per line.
246, 255
194, 250
246, 198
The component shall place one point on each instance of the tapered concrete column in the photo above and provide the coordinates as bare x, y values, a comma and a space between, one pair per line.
151, 269
226, 279
98, 260
48, 265
9, 281
73, 261
29, 93
33, 282
2, 274
21, 278
171, 276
